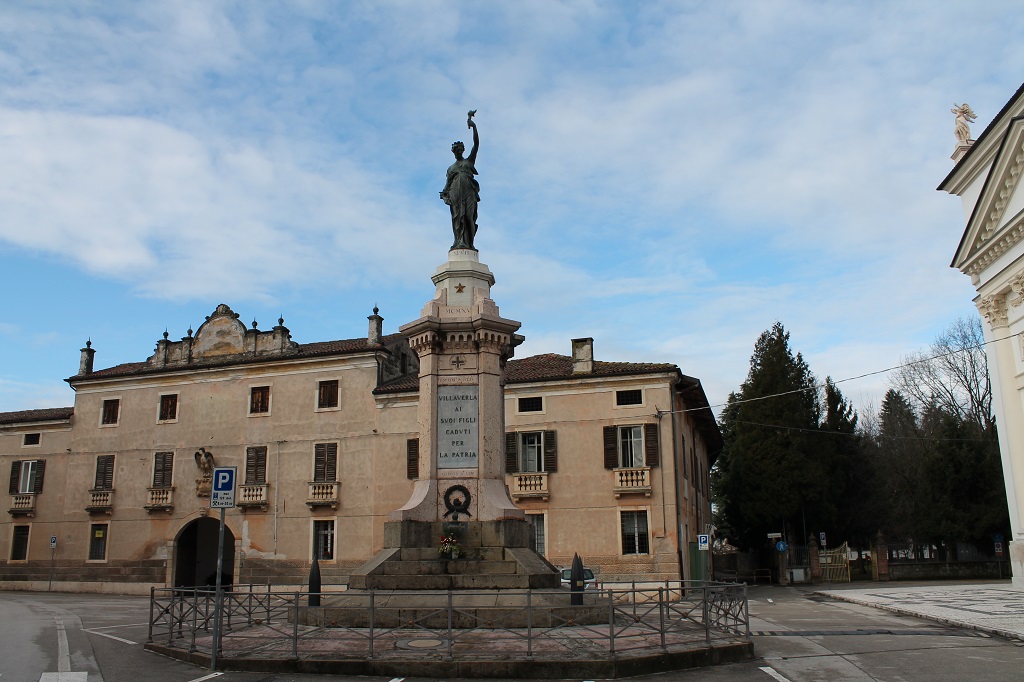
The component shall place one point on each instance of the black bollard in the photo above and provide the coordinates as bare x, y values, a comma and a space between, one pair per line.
576, 581
314, 583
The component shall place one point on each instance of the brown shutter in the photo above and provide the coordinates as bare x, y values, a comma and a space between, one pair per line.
611, 448
163, 469
15, 475
652, 450
332, 462
550, 451
255, 465
412, 458
320, 462
37, 483
104, 472
511, 452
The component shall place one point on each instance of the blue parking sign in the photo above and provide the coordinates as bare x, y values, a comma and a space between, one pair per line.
222, 495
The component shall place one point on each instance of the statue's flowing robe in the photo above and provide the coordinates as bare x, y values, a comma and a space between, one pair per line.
462, 194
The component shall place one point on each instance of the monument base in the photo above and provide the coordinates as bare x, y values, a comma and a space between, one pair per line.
491, 555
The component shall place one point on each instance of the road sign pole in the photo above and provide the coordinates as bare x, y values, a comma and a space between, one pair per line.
218, 600
49, 585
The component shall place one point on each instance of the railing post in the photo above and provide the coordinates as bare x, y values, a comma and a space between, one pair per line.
268, 603
746, 611
661, 616
295, 629
373, 619
195, 614
170, 619
449, 655
706, 607
152, 598
611, 622
529, 624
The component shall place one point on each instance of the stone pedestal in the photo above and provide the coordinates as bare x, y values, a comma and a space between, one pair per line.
463, 343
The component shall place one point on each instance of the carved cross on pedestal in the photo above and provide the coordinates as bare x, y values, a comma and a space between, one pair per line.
458, 362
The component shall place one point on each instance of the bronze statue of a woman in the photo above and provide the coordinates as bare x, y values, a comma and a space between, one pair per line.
462, 192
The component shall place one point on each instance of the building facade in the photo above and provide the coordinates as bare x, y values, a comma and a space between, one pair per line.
986, 178
608, 459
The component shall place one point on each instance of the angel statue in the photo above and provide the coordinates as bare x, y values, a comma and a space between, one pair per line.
461, 190
964, 115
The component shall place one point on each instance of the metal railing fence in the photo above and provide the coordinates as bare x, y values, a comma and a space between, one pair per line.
616, 619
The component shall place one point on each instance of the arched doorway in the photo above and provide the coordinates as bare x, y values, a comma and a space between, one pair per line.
195, 554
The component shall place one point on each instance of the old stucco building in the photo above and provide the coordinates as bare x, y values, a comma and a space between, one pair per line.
987, 179
608, 459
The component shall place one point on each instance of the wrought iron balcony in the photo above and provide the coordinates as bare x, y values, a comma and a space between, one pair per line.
160, 499
101, 501
253, 496
529, 484
323, 494
23, 505
632, 480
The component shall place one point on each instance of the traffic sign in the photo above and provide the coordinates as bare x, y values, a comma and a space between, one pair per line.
53, 542
774, 536
780, 545
223, 494
703, 542
821, 538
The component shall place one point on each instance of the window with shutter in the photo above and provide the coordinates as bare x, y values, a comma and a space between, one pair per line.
111, 412
531, 451
256, 465
98, 542
511, 452
412, 458
611, 447
550, 451
631, 447
168, 407
104, 473
635, 539
37, 484
19, 543
259, 400
15, 477
325, 462
327, 394
652, 448
163, 469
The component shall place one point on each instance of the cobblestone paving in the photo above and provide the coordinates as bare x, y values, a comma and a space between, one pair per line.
995, 609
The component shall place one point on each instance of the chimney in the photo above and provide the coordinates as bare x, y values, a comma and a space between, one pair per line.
373, 337
85, 364
583, 356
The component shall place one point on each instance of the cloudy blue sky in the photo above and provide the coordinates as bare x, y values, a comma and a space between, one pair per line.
669, 178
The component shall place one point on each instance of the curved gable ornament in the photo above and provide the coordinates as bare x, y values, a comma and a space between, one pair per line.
221, 334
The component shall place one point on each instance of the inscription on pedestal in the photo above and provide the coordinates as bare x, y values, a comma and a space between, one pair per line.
458, 411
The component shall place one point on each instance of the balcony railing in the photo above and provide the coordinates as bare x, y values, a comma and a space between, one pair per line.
101, 501
323, 494
530, 484
632, 480
253, 496
160, 499
23, 505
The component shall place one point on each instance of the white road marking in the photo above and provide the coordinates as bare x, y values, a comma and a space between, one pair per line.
63, 652
114, 627
397, 679
103, 634
774, 674
64, 677
208, 677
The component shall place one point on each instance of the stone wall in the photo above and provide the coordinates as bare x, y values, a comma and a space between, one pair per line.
151, 571
948, 570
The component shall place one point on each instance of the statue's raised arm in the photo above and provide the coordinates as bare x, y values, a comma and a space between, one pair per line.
462, 192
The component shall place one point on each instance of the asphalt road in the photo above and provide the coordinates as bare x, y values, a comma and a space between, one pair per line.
797, 637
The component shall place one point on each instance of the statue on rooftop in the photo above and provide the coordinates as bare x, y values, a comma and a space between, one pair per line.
964, 115
462, 192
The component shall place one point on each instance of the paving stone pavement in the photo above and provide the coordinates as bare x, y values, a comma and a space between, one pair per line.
995, 608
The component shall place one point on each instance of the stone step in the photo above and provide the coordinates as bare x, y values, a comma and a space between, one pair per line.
454, 567
430, 553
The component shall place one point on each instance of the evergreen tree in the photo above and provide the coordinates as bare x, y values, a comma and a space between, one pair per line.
771, 473
849, 513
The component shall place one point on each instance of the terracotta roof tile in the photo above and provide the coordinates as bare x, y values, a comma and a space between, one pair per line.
42, 415
553, 366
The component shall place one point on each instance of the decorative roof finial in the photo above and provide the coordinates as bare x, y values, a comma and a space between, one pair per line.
88, 343
190, 331
375, 309
254, 323
165, 334
280, 320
